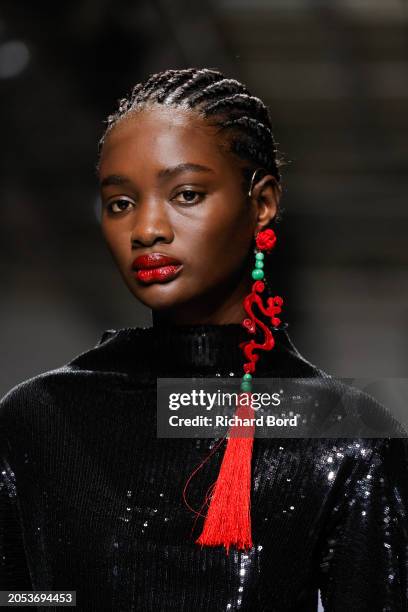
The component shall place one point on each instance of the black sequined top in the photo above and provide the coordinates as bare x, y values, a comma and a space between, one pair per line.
91, 498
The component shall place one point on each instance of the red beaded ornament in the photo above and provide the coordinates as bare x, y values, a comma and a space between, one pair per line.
228, 520
265, 241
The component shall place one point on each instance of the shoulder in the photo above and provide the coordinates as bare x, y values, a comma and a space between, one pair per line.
47, 390
337, 405
27, 406
32, 390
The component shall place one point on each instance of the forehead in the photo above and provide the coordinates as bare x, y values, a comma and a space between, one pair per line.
161, 134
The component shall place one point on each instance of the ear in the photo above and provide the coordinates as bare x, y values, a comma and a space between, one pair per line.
265, 197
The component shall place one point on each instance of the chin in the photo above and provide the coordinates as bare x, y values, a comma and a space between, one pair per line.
159, 296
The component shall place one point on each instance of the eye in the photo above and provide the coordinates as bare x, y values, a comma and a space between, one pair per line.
118, 206
189, 196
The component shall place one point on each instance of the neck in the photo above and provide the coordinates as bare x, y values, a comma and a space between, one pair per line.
221, 307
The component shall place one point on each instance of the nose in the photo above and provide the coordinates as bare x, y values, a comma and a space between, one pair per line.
151, 224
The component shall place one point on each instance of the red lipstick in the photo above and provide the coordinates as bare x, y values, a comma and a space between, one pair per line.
155, 267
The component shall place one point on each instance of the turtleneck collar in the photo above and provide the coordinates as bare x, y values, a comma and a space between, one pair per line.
187, 350
208, 346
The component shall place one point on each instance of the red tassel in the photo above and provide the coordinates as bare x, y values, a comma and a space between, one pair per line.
228, 520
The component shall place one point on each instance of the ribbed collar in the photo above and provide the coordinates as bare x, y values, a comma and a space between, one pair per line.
187, 350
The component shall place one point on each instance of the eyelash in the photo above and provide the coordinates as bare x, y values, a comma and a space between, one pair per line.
111, 204
197, 193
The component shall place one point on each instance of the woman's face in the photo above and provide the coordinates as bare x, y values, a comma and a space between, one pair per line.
168, 189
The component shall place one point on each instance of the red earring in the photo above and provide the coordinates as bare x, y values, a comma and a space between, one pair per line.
228, 520
265, 241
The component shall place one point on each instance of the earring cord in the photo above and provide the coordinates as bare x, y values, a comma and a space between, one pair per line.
251, 186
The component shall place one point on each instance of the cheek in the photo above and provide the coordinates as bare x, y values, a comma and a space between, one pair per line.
220, 245
117, 239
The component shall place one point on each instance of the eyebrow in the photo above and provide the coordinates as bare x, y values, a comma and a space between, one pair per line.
165, 173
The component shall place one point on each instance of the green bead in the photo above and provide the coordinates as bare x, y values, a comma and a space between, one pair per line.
246, 386
259, 256
257, 274
259, 263
247, 376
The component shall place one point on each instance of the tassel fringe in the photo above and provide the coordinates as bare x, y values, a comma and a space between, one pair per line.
228, 520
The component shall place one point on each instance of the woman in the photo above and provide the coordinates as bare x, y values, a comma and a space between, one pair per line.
92, 499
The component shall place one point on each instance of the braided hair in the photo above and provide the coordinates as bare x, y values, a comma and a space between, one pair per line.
225, 103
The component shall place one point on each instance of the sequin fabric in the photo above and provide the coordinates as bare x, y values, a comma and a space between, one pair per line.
91, 499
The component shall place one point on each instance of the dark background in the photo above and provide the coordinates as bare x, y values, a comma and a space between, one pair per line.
335, 76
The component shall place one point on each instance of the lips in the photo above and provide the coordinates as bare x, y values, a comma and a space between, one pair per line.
154, 260
156, 267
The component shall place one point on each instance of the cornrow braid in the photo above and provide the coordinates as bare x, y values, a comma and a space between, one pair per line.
157, 79
171, 85
237, 102
216, 90
228, 103
261, 131
201, 78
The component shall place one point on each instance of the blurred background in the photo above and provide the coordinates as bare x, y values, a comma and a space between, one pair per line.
335, 76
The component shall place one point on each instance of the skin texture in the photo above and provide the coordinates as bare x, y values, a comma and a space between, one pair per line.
204, 219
